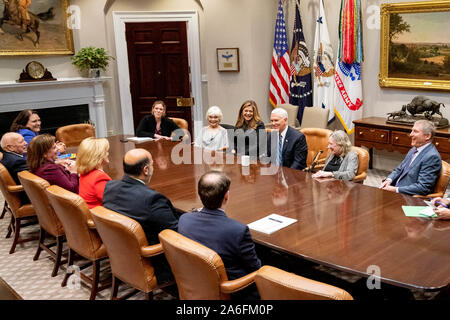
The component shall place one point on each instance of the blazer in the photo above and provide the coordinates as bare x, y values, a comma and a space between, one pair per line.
348, 168
132, 198
27, 134
92, 187
229, 238
423, 172
295, 149
58, 175
15, 163
247, 148
147, 127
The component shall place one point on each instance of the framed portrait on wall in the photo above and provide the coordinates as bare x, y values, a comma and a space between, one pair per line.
228, 59
35, 27
415, 45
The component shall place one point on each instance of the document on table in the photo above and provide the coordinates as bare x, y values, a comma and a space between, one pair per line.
140, 139
271, 223
419, 211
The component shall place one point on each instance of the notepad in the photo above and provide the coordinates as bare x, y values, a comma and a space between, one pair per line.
271, 223
140, 139
419, 211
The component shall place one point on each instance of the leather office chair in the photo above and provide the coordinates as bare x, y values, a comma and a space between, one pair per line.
183, 124
128, 251
276, 284
363, 164
19, 212
4, 204
73, 134
316, 139
49, 223
82, 237
441, 184
199, 271
315, 117
292, 114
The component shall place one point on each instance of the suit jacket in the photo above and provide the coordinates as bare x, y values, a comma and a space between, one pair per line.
92, 187
147, 127
295, 149
152, 210
15, 163
242, 134
348, 168
423, 173
229, 238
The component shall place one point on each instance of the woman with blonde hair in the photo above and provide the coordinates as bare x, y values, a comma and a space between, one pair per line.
248, 124
157, 125
213, 136
91, 157
342, 163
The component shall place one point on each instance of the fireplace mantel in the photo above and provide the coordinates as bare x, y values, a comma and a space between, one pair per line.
16, 96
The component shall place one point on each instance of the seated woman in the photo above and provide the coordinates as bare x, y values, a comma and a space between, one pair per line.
248, 124
157, 125
28, 124
42, 153
342, 163
213, 136
92, 155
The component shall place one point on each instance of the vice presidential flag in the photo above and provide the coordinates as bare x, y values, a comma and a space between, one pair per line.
301, 84
348, 99
323, 65
279, 76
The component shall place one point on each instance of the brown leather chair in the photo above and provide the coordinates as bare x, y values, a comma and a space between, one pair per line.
4, 204
128, 251
81, 234
276, 284
199, 271
183, 124
363, 164
73, 134
441, 184
49, 223
19, 212
316, 139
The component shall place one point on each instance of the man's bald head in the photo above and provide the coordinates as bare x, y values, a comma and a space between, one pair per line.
14, 142
135, 161
212, 188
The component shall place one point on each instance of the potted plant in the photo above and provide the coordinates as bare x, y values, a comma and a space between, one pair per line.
91, 59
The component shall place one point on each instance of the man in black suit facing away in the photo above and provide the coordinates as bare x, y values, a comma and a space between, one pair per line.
291, 142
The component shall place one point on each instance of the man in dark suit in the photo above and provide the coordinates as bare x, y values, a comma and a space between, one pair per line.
132, 197
292, 142
420, 170
14, 157
229, 238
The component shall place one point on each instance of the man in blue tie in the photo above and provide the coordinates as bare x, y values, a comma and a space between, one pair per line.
292, 149
419, 171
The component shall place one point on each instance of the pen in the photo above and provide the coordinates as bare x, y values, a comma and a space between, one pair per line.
275, 220
440, 203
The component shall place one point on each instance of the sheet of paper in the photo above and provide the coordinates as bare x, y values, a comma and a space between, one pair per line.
140, 139
415, 211
429, 212
271, 223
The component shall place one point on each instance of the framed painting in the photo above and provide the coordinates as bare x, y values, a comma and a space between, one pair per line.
35, 27
415, 45
228, 59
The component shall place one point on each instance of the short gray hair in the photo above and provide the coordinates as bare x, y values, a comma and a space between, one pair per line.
280, 111
427, 127
342, 140
214, 111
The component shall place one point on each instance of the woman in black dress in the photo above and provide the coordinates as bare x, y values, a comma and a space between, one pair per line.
247, 129
157, 125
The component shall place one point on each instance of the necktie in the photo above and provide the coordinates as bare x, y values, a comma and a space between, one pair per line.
280, 151
408, 164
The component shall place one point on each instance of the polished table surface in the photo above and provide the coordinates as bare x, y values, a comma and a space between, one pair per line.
344, 225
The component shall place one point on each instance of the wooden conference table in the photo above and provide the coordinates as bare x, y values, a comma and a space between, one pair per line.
340, 224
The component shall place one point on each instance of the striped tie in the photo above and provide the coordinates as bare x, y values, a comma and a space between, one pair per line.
280, 151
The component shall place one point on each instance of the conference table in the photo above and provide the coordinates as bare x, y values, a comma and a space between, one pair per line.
340, 224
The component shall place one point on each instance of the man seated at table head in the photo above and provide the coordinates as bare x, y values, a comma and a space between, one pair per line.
14, 157
291, 142
133, 197
419, 171
229, 238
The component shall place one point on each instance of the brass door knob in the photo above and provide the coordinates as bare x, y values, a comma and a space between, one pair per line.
360, 133
437, 144
382, 136
396, 138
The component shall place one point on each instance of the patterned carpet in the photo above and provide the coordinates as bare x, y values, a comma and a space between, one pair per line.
32, 280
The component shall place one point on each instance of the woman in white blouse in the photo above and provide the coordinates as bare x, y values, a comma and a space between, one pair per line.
213, 136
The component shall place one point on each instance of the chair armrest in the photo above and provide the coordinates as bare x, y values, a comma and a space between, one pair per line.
150, 251
431, 195
17, 188
232, 286
360, 178
91, 224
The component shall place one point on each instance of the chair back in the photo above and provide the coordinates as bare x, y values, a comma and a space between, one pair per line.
73, 134
292, 114
441, 184
316, 139
198, 270
12, 198
74, 214
123, 238
363, 164
183, 124
34, 187
276, 284
315, 117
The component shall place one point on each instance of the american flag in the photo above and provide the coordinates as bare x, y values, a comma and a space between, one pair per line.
280, 74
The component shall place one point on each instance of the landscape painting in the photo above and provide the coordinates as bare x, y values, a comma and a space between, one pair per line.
35, 27
415, 45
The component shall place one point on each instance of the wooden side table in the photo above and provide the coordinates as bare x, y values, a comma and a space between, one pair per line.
374, 132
